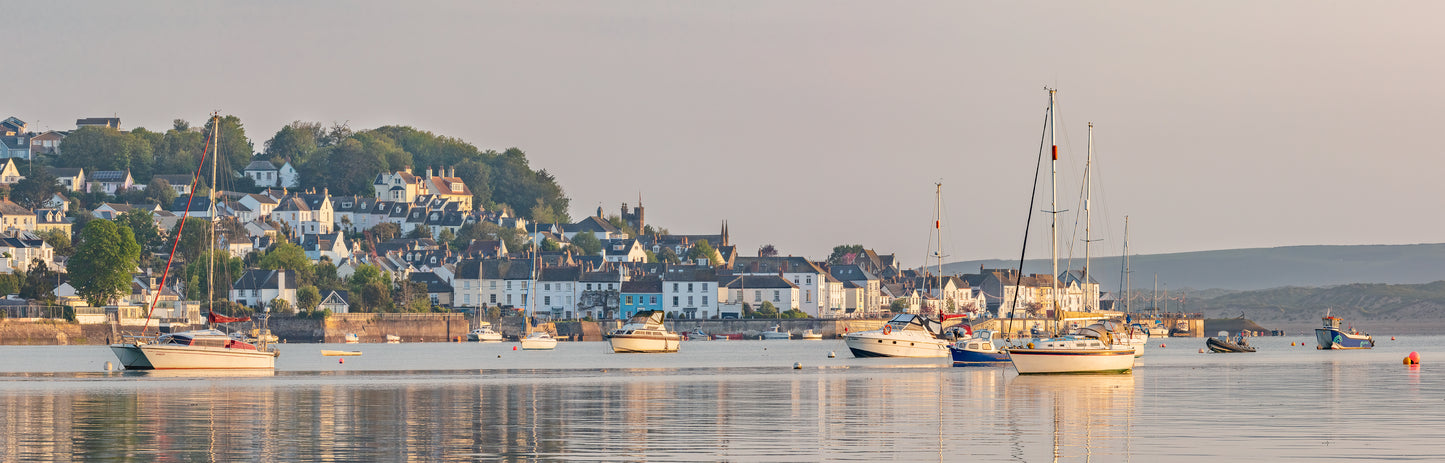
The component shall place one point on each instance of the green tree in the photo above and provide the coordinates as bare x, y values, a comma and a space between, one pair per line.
703, 250
233, 147
651, 257
295, 142
58, 239
668, 256
766, 310
39, 282
795, 313
845, 253
35, 189
899, 305
279, 305
160, 191
9, 284
446, 237
103, 261
370, 288
193, 232
290, 257
142, 223
307, 297
767, 250
385, 231
198, 271
587, 243
548, 245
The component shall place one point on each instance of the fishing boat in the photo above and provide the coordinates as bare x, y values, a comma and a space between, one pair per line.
643, 333
484, 333
810, 335
1093, 349
776, 334
206, 348
1224, 343
905, 335
1333, 336
977, 349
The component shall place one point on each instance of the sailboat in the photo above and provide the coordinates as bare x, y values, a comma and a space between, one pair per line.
1134, 336
1092, 349
207, 348
535, 339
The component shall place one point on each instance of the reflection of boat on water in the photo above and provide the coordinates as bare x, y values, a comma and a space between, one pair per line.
776, 334
1333, 336
978, 349
1223, 343
484, 333
810, 335
905, 335
1080, 414
644, 333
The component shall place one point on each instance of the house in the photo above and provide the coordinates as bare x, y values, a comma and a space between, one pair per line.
19, 249
399, 186
51, 219
438, 289
112, 181
623, 250
597, 293
557, 291
257, 287
754, 290
9, 174
690, 291
46, 143
12, 126
260, 205
1087, 299
329, 245
111, 122
639, 295
335, 301
309, 212
599, 228
58, 202
807, 276
860, 288
267, 175
484, 283
486, 249
448, 186
16, 146
179, 182
71, 178
197, 207
15, 217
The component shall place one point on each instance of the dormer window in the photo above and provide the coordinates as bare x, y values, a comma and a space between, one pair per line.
456, 186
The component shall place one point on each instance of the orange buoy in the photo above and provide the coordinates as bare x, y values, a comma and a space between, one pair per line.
1414, 358
340, 360
1201, 351
1392, 338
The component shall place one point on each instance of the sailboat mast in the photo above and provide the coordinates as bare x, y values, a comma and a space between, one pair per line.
211, 235
938, 232
1128, 275
1088, 219
1054, 208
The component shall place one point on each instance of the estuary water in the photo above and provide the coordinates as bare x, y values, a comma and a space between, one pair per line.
727, 401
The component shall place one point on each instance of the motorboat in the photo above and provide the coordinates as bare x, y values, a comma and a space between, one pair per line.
196, 349
393, 339
643, 333
905, 335
1091, 350
1333, 336
697, 335
351, 338
1224, 343
484, 333
1135, 336
1158, 330
810, 335
539, 340
978, 349
776, 334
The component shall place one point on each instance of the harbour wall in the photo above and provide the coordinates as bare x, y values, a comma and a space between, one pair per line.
52, 333
371, 327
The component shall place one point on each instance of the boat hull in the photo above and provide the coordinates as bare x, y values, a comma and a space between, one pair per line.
644, 344
174, 357
1063, 361
967, 357
1337, 339
1225, 347
871, 344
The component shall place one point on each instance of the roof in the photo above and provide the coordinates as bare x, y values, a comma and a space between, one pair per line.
174, 179
759, 282
106, 121
263, 279
8, 207
789, 264
648, 285
434, 283
851, 273
109, 175
260, 165
66, 172
591, 224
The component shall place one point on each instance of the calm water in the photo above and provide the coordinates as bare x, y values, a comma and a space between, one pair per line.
734, 400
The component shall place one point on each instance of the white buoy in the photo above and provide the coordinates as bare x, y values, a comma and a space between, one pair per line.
832, 354
109, 366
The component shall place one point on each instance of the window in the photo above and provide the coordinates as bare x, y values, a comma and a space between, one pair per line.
704, 286
757, 296
509, 299
674, 287
808, 296
509, 285
654, 300
467, 299
777, 296
494, 284
629, 299
547, 300
494, 298
689, 301
689, 287
808, 279
704, 301
674, 301
589, 286
547, 286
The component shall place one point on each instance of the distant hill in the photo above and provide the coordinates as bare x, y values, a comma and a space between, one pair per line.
1371, 307
1258, 268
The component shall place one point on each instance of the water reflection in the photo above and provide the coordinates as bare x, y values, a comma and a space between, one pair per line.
1090, 416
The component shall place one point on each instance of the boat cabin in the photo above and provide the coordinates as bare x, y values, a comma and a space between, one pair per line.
204, 338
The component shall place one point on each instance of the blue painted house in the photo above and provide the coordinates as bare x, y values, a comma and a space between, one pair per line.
639, 295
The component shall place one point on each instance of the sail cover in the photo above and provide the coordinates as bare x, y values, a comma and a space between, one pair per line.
218, 318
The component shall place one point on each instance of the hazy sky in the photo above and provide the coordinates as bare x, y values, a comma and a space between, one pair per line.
1219, 124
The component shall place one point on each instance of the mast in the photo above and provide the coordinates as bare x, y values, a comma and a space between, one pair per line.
938, 232
211, 196
1054, 211
1088, 219
1128, 287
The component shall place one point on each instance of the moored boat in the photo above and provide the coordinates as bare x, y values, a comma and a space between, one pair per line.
697, 334
1333, 336
351, 338
484, 333
810, 335
905, 335
393, 339
643, 333
978, 349
197, 349
776, 334
539, 340
1224, 343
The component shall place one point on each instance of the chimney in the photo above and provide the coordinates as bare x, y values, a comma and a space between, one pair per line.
428, 172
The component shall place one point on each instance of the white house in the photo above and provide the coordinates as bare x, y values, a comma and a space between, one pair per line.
256, 288
690, 290
808, 277
754, 290
623, 250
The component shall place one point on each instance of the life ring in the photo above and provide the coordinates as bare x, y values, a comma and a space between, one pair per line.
887, 329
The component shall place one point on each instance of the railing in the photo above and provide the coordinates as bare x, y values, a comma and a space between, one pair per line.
33, 311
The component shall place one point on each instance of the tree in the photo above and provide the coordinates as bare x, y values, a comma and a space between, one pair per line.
233, 147
295, 142
446, 237
199, 270
279, 305
103, 261
307, 297
668, 256
703, 250
587, 243
370, 288
193, 233
845, 253
899, 305
385, 231
548, 245
39, 282
34, 190
9, 284
795, 313
290, 257
419, 232
142, 223
58, 239
766, 310
767, 250
651, 257
160, 191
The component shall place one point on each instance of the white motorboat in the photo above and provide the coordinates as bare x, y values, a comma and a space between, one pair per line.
198, 349
905, 335
697, 334
1136, 337
810, 335
776, 334
393, 339
484, 333
644, 333
539, 340
351, 338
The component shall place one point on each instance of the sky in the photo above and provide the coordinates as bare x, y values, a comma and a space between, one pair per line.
808, 124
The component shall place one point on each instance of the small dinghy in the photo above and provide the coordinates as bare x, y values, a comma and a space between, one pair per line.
1224, 343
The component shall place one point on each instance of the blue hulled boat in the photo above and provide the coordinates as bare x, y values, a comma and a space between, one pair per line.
1332, 336
978, 350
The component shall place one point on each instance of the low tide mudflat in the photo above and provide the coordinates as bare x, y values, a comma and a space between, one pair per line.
734, 400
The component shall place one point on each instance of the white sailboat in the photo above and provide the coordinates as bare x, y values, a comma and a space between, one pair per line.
199, 349
535, 339
1092, 349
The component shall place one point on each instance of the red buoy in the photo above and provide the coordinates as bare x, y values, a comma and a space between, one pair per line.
514, 347
1162, 345
340, 360
1414, 358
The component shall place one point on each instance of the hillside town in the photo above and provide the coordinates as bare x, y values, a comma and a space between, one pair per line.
419, 241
